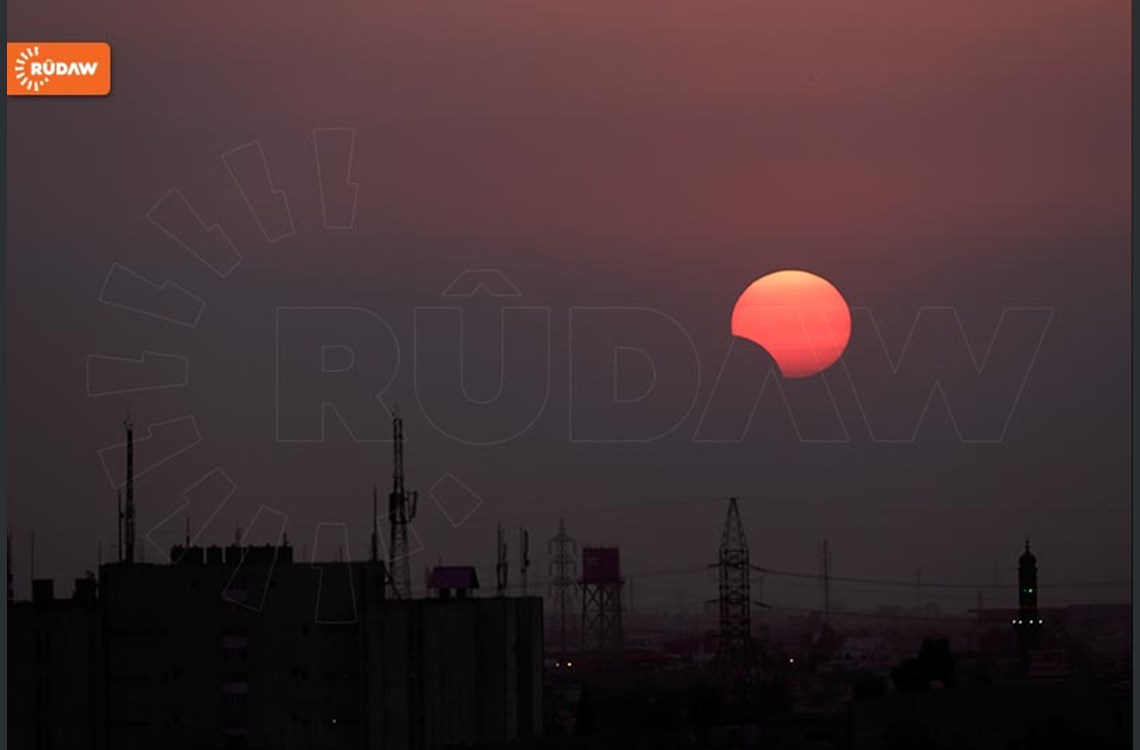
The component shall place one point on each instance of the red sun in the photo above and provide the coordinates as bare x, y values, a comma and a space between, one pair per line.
797, 317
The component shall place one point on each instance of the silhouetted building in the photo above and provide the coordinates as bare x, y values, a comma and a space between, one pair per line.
55, 669
249, 649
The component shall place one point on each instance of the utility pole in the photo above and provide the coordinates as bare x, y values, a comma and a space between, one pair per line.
401, 510
563, 571
825, 576
501, 569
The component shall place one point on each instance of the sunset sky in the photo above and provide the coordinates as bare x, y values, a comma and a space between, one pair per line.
965, 156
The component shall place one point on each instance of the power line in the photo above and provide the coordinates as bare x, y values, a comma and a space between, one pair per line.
811, 611
818, 577
941, 585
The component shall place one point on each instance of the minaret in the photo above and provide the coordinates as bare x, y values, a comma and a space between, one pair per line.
1028, 623
129, 510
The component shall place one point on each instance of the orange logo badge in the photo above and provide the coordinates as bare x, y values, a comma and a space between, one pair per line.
59, 69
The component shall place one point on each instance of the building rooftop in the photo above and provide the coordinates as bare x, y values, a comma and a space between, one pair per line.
453, 577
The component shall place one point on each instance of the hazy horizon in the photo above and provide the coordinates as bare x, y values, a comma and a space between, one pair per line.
970, 161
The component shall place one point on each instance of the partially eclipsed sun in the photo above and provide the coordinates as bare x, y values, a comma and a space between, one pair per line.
797, 317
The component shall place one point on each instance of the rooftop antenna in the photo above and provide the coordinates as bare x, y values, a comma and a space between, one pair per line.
11, 587
129, 510
119, 542
524, 557
187, 531
375, 545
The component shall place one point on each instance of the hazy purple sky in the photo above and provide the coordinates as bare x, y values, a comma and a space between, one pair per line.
973, 156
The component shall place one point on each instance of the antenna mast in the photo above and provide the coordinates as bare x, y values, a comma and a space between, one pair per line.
401, 509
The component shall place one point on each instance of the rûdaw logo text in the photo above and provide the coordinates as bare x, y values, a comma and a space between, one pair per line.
59, 69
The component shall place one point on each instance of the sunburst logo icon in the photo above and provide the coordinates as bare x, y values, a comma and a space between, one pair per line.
59, 68
23, 61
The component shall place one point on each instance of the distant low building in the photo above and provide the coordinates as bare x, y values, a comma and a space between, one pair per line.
1048, 664
860, 654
